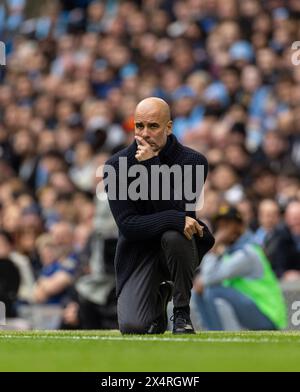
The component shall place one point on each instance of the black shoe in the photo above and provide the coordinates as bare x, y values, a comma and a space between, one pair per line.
166, 292
182, 322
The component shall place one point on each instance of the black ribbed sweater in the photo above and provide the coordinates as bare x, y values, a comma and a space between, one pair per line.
141, 223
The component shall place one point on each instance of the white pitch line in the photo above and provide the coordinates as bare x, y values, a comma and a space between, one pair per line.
150, 339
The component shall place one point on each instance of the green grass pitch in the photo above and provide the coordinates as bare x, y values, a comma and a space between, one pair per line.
110, 351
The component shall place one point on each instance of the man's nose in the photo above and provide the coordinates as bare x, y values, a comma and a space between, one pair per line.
145, 132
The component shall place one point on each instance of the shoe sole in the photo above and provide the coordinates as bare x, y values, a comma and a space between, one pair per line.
167, 300
166, 289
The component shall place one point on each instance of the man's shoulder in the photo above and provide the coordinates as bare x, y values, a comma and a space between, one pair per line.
193, 156
280, 233
127, 152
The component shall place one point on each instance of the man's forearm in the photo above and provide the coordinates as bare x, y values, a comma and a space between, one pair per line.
135, 226
238, 265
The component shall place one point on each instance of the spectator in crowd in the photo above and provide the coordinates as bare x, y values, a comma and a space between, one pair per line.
63, 241
238, 272
57, 274
268, 219
9, 286
283, 244
22, 263
225, 180
274, 152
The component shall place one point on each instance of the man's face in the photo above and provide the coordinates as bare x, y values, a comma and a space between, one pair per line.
231, 230
153, 126
268, 215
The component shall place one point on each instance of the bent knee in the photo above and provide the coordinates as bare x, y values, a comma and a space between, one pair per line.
133, 328
210, 239
172, 237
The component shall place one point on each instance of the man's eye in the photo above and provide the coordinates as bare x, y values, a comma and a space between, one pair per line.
153, 126
139, 126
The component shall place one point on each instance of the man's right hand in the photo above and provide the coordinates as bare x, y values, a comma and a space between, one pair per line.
192, 227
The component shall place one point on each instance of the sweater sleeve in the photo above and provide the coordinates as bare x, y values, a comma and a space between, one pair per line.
136, 226
141, 227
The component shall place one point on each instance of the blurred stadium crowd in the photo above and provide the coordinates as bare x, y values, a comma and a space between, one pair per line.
73, 77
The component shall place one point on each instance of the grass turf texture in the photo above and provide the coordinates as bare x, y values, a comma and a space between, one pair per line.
110, 351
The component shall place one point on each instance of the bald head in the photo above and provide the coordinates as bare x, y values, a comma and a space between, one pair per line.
156, 106
153, 123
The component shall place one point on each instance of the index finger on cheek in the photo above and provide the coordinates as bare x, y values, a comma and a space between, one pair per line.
140, 140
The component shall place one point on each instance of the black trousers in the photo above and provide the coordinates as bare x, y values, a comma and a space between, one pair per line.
139, 302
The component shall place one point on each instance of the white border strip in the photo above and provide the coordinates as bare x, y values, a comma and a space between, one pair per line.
151, 339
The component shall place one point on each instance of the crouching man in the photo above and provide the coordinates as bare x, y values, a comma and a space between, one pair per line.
160, 243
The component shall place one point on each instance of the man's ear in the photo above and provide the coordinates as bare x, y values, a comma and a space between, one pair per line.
169, 127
